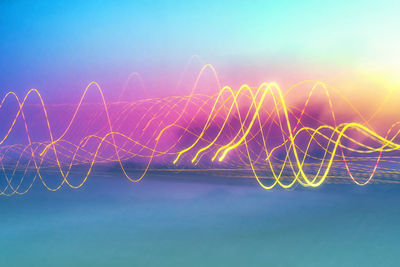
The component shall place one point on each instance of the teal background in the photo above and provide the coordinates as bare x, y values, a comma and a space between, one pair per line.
200, 221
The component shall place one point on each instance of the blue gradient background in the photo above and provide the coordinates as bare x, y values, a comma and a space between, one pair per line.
59, 47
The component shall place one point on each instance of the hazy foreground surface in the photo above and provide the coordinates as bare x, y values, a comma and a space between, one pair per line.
200, 221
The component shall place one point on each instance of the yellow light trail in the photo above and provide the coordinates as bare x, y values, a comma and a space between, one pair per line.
235, 128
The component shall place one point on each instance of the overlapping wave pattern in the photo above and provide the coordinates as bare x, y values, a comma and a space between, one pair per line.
254, 129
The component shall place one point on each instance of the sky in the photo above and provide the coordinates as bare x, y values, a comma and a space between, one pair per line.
59, 47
